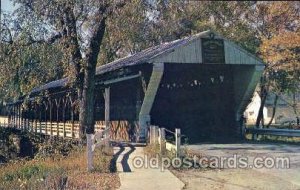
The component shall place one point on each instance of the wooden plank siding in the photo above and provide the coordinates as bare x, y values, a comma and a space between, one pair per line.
189, 53
192, 53
236, 55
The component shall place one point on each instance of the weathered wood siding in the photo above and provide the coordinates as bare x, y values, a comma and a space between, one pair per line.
235, 55
192, 53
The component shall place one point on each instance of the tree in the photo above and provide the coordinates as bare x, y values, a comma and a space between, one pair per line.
80, 28
24, 65
275, 21
282, 54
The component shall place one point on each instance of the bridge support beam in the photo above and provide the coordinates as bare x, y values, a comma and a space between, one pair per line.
150, 94
244, 93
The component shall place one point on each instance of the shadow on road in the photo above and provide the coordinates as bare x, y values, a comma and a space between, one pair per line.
124, 161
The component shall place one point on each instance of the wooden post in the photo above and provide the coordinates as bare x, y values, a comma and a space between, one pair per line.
46, 108
35, 125
40, 119
9, 116
19, 117
23, 123
57, 102
13, 116
50, 117
153, 134
72, 120
89, 144
162, 141
29, 119
156, 133
107, 107
138, 100
35, 118
254, 136
16, 116
178, 136
23, 126
64, 117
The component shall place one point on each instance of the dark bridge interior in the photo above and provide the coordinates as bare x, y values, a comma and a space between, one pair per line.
198, 99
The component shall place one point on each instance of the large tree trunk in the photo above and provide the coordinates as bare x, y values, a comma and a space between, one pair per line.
295, 104
273, 111
87, 103
263, 97
87, 100
72, 49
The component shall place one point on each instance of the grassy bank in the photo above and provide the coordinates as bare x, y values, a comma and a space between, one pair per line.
61, 172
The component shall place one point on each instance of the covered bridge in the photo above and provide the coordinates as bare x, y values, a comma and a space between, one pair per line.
201, 84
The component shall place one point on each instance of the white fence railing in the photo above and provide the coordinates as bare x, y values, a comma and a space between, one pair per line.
158, 136
66, 129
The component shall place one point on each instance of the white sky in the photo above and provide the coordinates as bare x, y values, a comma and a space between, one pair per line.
6, 5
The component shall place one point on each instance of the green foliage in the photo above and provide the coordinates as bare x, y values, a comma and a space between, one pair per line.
26, 173
26, 67
102, 159
55, 148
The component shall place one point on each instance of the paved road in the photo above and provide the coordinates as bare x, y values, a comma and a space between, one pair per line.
250, 178
142, 178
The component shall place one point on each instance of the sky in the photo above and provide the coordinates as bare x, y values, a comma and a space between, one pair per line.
6, 5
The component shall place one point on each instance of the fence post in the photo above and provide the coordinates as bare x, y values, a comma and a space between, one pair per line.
107, 108
156, 132
254, 136
64, 104
150, 134
162, 140
153, 134
72, 130
89, 144
177, 136
51, 129
35, 126
64, 130
72, 123
40, 123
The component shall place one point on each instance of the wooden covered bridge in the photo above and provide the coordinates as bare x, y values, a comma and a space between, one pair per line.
200, 84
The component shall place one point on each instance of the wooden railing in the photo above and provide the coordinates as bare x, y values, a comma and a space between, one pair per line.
66, 130
158, 136
120, 130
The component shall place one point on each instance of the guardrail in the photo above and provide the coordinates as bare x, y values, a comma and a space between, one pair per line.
274, 132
